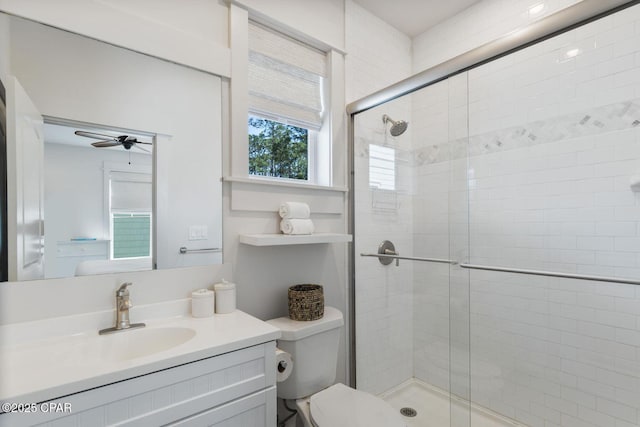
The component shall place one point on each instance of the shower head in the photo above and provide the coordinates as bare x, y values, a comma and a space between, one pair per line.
397, 127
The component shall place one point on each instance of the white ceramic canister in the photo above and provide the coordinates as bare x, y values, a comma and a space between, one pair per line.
225, 297
202, 303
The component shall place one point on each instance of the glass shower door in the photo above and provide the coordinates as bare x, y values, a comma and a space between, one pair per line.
554, 148
383, 211
411, 329
528, 162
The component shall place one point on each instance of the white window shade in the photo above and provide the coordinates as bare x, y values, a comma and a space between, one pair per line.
286, 78
130, 192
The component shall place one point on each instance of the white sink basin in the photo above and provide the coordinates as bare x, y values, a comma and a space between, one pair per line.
127, 345
49, 358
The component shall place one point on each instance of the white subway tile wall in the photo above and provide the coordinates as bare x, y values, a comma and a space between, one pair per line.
481, 23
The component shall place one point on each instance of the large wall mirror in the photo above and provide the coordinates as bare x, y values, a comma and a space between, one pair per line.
113, 158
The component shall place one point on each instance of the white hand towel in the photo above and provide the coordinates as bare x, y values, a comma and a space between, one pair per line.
296, 226
290, 210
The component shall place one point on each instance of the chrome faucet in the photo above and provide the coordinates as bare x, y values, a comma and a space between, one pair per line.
123, 304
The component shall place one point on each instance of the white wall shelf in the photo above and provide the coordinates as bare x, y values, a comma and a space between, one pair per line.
301, 239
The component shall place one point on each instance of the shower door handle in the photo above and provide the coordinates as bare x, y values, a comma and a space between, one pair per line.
392, 252
387, 253
388, 259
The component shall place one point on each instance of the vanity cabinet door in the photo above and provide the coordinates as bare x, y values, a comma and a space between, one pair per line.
215, 391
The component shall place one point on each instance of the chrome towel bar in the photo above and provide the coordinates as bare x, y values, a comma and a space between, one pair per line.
511, 270
410, 258
552, 274
185, 250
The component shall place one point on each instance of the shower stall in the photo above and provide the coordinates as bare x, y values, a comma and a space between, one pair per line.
496, 223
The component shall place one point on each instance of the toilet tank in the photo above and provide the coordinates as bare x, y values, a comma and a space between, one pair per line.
313, 346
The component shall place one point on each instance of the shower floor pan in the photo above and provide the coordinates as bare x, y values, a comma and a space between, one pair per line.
435, 409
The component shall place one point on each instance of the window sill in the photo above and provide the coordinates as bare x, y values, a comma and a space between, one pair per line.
283, 183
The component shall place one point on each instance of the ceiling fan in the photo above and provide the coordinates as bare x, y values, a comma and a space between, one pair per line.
112, 141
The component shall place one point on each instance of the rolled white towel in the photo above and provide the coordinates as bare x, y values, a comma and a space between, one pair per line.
297, 210
296, 226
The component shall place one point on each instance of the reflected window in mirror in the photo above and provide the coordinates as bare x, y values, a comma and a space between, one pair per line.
130, 211
108, 215
68, 78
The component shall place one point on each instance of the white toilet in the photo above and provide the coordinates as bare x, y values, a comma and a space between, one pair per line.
313, 347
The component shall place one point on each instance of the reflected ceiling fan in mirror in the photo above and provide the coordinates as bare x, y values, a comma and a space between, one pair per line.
125, 141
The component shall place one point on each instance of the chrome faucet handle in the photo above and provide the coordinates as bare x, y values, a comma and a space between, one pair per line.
122, 298
122, 290
123, 304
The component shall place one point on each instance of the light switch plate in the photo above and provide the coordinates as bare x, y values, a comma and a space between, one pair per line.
198, 232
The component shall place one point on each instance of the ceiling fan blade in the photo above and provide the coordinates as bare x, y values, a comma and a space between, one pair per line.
102, 144
94, 135
145, 143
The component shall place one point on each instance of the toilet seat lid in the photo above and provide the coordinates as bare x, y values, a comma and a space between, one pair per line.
342, 406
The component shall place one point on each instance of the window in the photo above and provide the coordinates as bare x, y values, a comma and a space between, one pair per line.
382, 167
278, 149
287, 83
130, 207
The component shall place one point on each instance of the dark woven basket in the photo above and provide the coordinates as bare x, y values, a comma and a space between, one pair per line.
306, 302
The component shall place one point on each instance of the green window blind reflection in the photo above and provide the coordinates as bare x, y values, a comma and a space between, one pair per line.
131, 235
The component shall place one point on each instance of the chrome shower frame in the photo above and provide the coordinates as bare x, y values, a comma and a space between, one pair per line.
565, 20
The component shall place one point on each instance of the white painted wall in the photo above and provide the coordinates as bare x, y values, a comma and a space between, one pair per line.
262, 274
323, 21
196, 35
269, 271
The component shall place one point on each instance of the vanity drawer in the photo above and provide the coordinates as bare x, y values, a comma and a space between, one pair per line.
167, 396
254, 410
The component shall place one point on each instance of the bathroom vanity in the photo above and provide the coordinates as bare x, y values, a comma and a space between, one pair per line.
177, 371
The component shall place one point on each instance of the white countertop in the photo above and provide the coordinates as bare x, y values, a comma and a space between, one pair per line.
46, 359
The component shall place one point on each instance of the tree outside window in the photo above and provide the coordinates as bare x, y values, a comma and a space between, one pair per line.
277, 149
